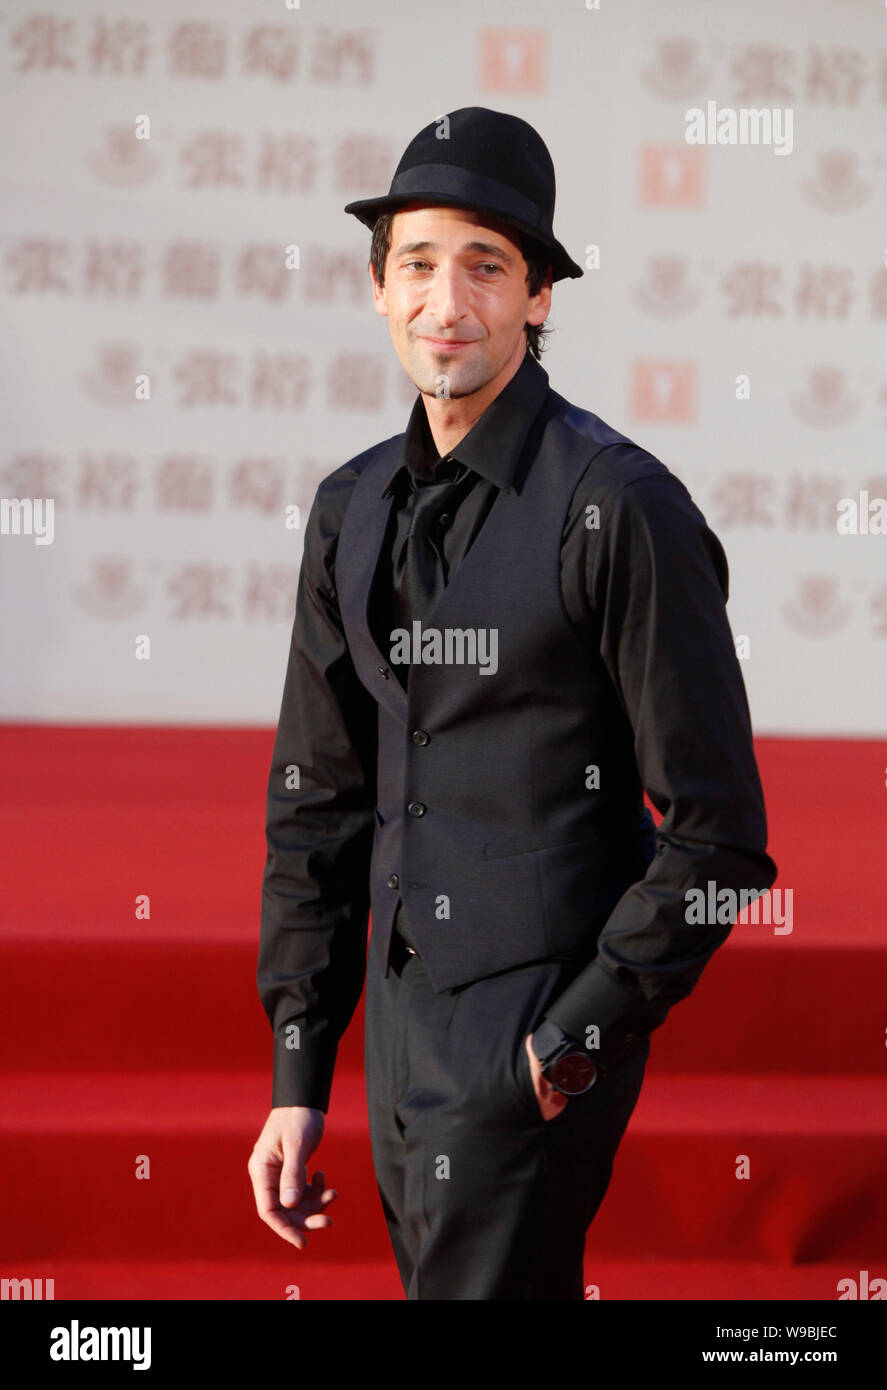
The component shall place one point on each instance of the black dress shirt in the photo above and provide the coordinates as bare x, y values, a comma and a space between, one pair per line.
650, 593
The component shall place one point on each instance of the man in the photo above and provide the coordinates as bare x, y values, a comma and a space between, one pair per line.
510, 621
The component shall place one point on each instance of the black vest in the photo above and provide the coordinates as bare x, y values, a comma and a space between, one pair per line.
486, 824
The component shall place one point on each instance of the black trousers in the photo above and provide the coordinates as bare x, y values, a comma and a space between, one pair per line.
483, 1198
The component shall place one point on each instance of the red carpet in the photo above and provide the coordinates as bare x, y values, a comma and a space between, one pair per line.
126, 1037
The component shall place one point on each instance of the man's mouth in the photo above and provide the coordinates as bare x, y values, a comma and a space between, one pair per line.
448, 344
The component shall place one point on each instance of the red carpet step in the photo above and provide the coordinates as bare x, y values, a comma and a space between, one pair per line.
817, 1149
271, 1279
128, 1003
126, 1036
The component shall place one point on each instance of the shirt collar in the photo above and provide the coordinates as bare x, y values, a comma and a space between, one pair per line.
492, 447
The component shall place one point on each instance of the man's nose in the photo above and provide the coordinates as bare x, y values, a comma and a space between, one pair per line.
446, 299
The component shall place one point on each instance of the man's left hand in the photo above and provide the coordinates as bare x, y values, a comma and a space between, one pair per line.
551, 1101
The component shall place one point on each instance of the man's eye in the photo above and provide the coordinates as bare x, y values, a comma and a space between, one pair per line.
485, 265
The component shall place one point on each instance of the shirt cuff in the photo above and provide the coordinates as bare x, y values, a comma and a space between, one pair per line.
596, 1000
302, 1077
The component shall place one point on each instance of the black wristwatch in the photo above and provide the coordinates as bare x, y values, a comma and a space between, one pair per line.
565, 1066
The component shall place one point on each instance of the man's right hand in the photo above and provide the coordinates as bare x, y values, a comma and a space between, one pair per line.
278, 1168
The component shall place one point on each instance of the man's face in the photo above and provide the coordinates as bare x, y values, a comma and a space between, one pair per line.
456, 298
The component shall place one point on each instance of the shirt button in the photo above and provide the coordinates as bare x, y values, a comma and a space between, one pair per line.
417, 808
393, 881
420, 736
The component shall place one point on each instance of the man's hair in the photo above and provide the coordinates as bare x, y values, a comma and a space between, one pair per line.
532, 251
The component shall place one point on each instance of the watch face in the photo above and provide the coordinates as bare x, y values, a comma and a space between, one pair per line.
573, 1073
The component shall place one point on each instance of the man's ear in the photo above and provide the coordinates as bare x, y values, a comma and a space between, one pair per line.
380, 300
540, 313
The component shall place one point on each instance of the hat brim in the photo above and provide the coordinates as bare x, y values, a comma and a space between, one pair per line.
366, 210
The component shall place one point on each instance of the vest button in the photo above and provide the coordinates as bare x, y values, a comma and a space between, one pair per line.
420, 736
629, 1037
417, 808
444, 519
393, 881
385, 672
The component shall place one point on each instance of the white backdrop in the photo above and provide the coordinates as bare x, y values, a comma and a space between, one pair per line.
164, 258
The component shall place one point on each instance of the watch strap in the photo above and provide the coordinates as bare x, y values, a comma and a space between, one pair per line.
550, 1042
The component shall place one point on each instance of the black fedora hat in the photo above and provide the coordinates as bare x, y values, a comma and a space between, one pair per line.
485, 160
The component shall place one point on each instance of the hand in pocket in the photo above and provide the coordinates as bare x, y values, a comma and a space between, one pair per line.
551, 1101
